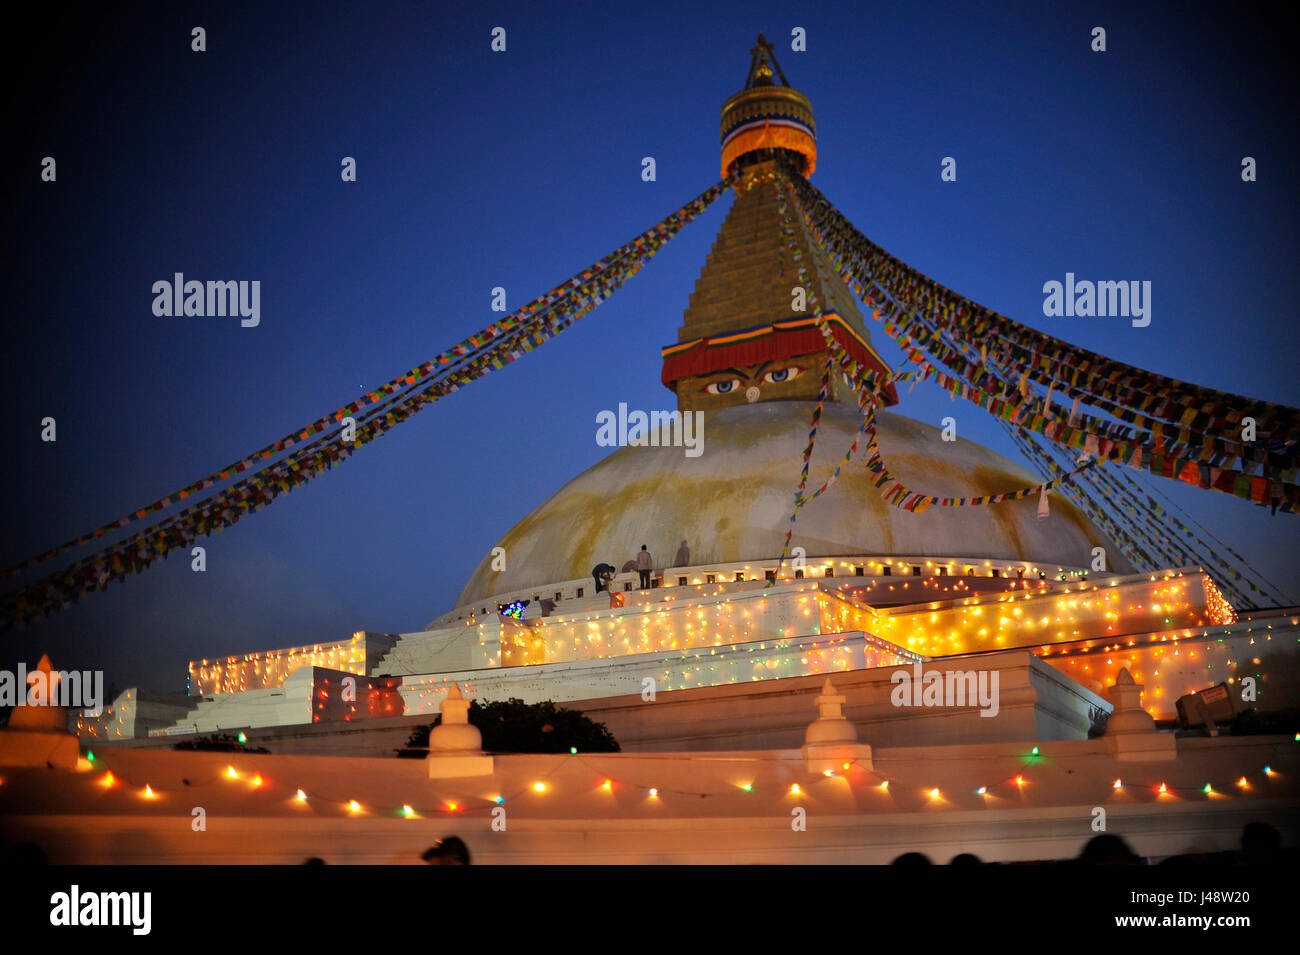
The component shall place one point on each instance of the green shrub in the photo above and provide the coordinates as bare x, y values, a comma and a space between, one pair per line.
513, 726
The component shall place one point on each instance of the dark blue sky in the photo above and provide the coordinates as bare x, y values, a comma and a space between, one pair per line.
478, 169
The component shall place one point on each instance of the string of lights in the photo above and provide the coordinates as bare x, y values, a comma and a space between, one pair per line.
852, 771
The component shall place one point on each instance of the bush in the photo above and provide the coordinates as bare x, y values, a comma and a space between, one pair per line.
220, 743
513, 726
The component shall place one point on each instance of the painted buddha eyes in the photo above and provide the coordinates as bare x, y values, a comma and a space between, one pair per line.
782, 374
775, 377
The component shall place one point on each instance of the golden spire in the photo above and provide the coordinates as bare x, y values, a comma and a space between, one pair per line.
767, 120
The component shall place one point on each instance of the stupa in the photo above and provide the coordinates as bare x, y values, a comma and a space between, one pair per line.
735, 634
972, 660
753, 365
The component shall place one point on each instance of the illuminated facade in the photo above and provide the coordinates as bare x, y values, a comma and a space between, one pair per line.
270, 668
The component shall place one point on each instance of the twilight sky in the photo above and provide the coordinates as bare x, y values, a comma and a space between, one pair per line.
478, 169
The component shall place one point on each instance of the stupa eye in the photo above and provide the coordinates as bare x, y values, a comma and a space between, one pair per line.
723, 387
783, 374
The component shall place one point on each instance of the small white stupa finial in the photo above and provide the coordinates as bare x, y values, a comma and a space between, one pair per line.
831, 726
1131, 733
455, 734
455, 744
831, 740
42, 687
1126, 697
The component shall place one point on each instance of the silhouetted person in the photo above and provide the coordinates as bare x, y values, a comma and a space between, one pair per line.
449, 851
644, 564
1261, 844
966, 858
313, 860
683, 558
603, 574
1107, 850
912, 859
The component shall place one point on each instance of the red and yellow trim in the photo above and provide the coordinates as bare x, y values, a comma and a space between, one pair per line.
753, 346
770, 136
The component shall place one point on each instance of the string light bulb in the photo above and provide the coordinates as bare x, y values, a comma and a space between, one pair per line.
539, 786
300, 796
354, 806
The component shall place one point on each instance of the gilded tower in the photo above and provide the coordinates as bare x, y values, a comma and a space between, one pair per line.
744, 338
